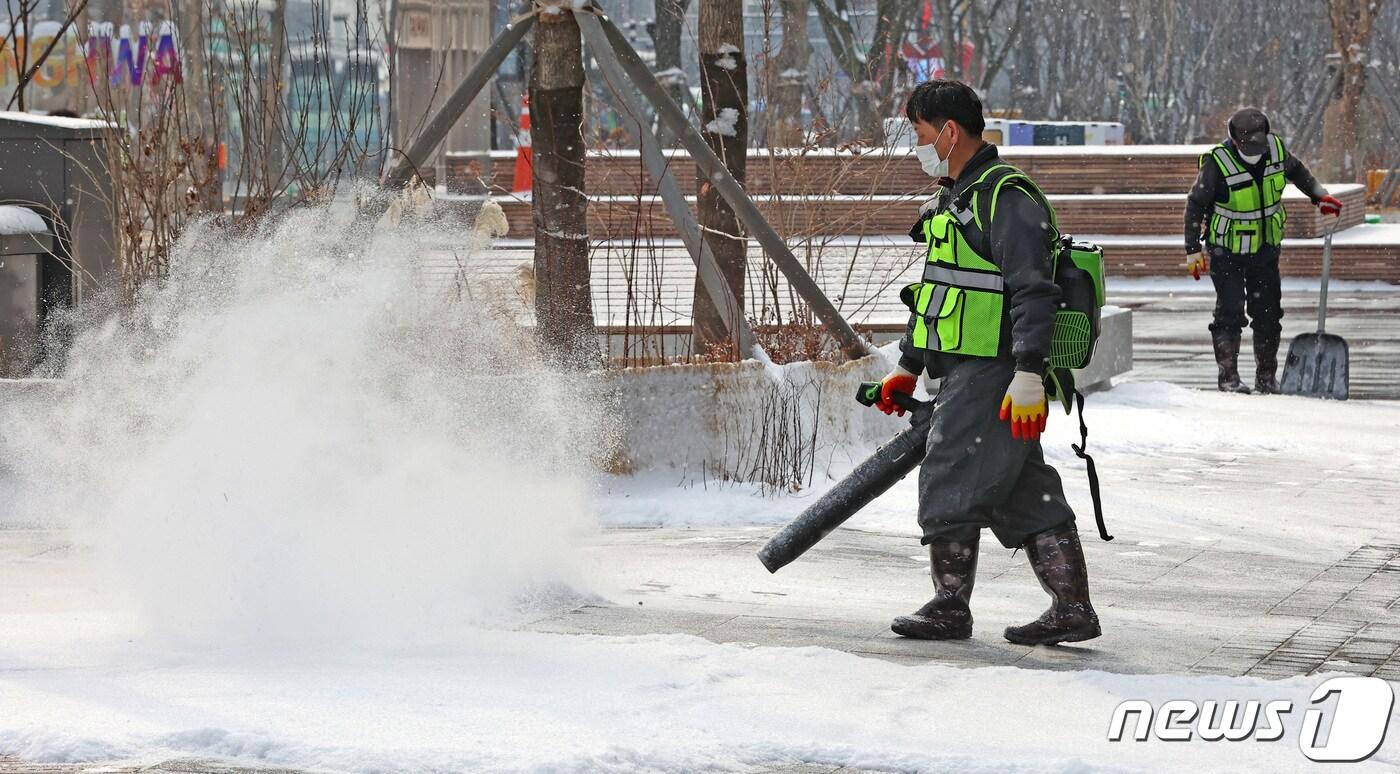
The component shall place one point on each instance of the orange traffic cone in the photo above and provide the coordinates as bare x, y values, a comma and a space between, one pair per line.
524, 170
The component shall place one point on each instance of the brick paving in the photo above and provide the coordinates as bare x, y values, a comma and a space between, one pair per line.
1171, 342
1196, 608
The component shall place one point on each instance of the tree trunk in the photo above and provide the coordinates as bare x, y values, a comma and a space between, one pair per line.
785, 127
666, 35
948, 41
207, 121
274, 159
1352, 21
724, 93
563, 296
195, 80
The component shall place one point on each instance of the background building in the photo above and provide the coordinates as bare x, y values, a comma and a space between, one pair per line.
436, 42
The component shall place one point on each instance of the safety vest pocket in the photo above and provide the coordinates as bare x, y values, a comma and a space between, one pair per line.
982, 312
947, 317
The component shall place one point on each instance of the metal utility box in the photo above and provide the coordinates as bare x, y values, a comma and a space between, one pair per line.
58, 167
1059, 133
1101, 133
1020, 133
995, 131
23, 238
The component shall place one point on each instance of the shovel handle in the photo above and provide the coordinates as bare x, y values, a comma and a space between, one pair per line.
1326, 275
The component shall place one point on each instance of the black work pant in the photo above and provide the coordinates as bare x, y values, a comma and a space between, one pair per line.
974, 473
1247, 283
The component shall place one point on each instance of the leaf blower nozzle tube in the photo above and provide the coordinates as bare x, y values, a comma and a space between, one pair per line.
872, 478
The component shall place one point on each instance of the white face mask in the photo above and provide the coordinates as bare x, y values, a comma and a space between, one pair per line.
1254, 159
935, 166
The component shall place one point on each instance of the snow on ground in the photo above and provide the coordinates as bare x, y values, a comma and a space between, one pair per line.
86, 685
276, 529
1157, 448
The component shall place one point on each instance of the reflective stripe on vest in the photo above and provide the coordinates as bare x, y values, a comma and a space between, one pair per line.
974, 280
1253, 217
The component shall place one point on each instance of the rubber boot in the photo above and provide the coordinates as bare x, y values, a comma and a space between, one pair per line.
946, 616
1266, 364
1227, 355
1058, 561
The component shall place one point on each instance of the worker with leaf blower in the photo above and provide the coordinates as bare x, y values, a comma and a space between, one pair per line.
1238, 202
982, 320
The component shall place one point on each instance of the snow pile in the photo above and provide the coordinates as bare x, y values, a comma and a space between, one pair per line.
728, 422
524, 702
725, 124
63, 122
1161, 453
280, 444
20, 220
671, 76
726, 60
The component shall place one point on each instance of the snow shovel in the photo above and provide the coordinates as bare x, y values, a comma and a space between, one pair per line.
1318, 363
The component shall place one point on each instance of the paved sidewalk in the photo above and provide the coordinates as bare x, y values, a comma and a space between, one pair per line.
1171, 342
1189, 607
1262, 563
1190, 596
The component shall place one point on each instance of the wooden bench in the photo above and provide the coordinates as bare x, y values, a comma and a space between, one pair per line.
1091, 169
646, 218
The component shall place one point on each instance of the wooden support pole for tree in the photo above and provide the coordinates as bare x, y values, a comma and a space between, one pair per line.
711, 166
564, 317
1307, 132
707, 271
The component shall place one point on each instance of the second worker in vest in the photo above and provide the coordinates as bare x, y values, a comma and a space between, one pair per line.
981, 320
1238, 199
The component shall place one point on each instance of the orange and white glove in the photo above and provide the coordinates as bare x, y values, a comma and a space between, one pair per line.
898, 381
1330, 205
1025, 406
1198, 263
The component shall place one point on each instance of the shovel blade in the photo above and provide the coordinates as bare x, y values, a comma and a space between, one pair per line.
1317, 366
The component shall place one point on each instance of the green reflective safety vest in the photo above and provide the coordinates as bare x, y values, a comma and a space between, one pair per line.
1254, 216
958, 304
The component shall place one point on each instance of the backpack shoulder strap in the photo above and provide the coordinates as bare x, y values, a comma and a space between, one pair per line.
970, 206
1081, 451
1060, 386
1023, 181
